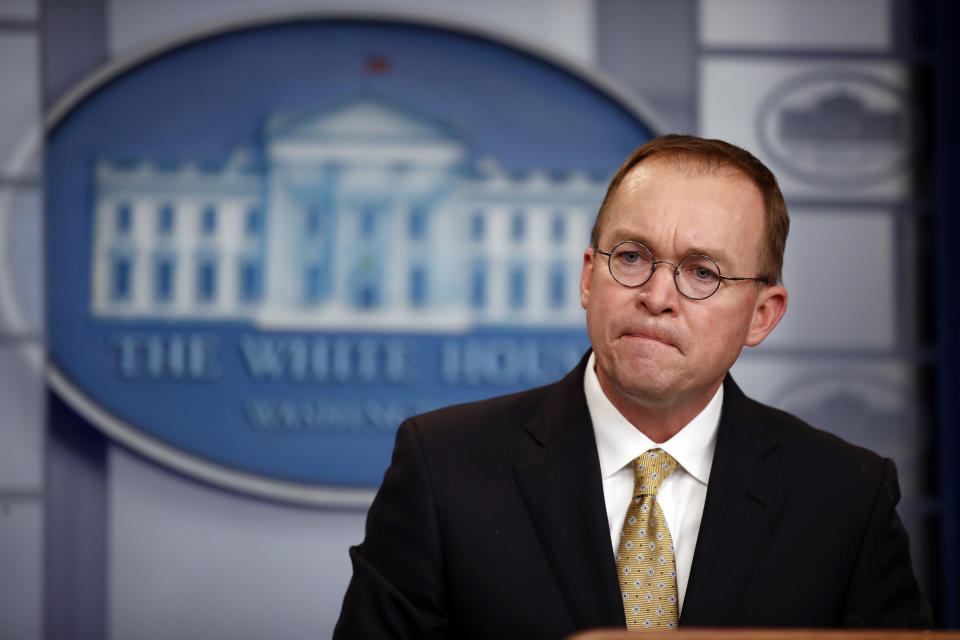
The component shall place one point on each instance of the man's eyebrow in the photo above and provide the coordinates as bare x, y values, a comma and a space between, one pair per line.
620, 235
718, 255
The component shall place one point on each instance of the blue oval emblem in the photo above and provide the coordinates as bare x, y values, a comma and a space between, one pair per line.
268, 246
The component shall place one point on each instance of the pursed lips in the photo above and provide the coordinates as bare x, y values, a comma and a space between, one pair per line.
647, 334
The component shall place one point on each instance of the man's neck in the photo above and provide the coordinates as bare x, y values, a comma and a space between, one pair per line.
659, 422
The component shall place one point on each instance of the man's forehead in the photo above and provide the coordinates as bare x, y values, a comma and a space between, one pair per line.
721, 185
674, 218
685, 164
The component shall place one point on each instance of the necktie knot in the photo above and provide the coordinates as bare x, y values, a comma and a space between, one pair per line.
650, 469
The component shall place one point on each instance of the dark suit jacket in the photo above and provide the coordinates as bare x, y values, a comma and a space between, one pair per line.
490, 523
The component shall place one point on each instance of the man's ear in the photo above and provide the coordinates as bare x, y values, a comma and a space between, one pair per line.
769, 309
586, 276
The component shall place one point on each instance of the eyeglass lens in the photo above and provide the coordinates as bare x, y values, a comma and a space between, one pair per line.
631, 264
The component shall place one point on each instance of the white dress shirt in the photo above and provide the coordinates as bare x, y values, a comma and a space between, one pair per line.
681, 495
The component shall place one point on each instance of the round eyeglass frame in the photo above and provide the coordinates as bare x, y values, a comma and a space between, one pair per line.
676, 269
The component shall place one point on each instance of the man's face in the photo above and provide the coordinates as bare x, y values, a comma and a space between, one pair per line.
655, 348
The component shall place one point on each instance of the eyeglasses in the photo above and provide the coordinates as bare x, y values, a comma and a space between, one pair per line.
697, 276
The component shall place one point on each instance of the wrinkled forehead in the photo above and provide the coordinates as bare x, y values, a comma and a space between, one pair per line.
689, 164
676, 175
665, 205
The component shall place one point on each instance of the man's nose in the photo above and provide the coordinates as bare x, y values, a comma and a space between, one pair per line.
659, 294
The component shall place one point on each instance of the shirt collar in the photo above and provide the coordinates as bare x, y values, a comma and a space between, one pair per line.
619, 442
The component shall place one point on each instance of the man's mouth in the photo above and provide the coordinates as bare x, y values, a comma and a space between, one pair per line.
662, 337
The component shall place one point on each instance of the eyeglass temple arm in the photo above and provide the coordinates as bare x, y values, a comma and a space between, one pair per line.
759, 278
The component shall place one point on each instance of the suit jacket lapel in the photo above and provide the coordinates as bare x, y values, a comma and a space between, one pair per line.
744, 497
563, 491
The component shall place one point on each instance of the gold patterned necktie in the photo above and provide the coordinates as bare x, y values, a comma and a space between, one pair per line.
645, 562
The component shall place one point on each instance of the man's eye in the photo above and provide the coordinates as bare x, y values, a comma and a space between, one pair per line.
630, 256
703, 273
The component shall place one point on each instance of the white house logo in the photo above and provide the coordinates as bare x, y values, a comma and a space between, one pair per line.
836, 128
365, 217
258, 287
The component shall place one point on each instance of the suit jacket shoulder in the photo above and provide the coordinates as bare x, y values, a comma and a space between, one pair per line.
799, 529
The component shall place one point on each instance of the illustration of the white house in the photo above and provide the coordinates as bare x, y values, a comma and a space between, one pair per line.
367, 215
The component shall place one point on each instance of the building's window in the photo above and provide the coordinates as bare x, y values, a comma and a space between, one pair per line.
369, 216
121, 278
208, 220
124, 219
165, 219
558, 230
558, 286
477, 227
518, 227
254, 222
518, 287
368, 295
314, 221
206, 279
478, 285
418, 223
313, 283
418, 286
251, 280
163, 279
366, 280
317, 281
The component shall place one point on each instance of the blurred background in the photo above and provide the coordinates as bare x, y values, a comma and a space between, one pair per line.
241, 240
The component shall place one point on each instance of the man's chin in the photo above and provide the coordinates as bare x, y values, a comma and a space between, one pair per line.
651, 396
648, 390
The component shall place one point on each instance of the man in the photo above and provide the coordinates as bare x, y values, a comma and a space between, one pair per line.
644, 489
